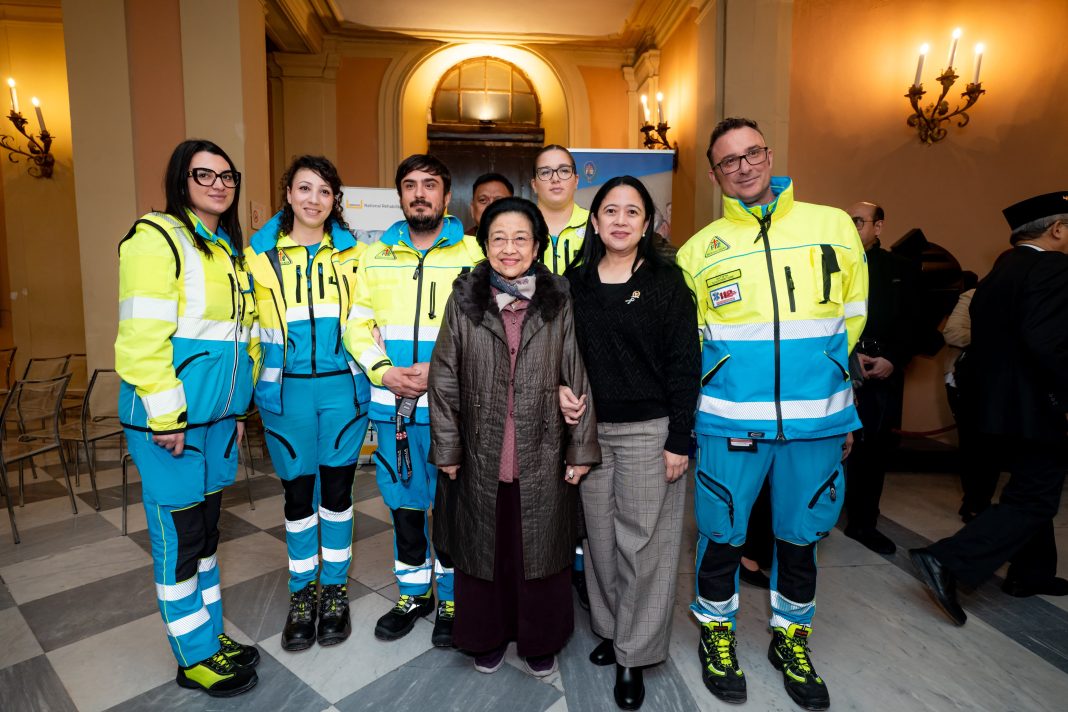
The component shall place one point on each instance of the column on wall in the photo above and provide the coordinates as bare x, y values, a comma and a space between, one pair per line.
306, 85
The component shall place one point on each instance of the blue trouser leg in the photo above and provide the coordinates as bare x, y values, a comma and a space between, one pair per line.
318, 436
183, 526
807, 493
727, 485
408, 504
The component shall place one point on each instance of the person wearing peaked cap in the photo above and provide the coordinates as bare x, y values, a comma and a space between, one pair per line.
1017, 373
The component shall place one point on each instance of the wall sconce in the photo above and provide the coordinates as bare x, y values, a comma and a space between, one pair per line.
38, 154
656, 136
928, 122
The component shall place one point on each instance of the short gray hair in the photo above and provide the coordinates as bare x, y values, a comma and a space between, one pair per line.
1035, 228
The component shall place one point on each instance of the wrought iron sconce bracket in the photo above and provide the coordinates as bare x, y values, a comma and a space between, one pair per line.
928, 121
656, 138
39, 149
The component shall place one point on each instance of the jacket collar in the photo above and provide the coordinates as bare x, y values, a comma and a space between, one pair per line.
475, 298
219, 237
783, 189
267, 237
452, 232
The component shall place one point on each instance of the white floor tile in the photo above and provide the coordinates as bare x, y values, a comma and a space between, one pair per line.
17, 642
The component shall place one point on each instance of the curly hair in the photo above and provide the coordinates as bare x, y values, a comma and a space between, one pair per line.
322, 167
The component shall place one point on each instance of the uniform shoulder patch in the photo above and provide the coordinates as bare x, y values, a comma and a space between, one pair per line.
283, 258
385, 254
716, 245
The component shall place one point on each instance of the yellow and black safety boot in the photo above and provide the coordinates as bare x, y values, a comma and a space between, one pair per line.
334, 624
402, 617
789, 653
244, 656
299, 631
441, 637
218, 676
719, 662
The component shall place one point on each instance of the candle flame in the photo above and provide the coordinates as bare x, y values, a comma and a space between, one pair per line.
34, 101
956, 34
660, 96
11, 82
980, 48
925, 48
645, 100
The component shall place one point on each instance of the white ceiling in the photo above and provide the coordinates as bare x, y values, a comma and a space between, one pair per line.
584, 19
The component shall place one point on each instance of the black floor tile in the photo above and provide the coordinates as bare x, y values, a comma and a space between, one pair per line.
33, 685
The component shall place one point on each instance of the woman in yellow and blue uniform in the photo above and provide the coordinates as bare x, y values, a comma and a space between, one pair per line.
312, 396
183, 351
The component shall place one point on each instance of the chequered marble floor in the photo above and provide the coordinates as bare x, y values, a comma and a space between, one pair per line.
79, 628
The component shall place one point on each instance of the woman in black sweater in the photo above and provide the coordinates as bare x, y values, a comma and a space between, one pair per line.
636, 323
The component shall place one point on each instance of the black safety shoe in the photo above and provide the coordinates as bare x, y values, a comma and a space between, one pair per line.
299, 632
218, 676
334, 624
400, 620
719, 662
788, 652
442, 635
241, 655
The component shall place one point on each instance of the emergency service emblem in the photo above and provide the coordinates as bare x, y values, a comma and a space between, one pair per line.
727, 294
385, 254
283, 258
716, 245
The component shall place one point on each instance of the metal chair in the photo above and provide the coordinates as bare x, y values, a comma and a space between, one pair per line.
7, 364
99, 420
79, 381
35, 394
45, 367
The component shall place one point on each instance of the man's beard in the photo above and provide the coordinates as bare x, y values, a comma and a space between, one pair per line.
424, 222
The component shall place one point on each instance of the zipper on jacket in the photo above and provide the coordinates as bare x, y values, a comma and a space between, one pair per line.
719, 491
765, 222
233, 303
298, 285
322, 289
418, 277
341, 301
186, 362
433, 299
567, 253
790, 289
235, 294
828, 484
311, 309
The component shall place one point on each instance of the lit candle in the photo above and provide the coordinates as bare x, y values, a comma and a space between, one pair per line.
953, 48
978, 61
645, 107
660, 107
40, 116
919, 63
14, 96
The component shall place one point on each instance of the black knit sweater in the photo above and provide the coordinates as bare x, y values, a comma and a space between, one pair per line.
640, 344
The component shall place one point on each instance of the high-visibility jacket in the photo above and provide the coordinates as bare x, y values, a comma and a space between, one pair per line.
559, 254
185, 325
403, 292
302, 305
781, 292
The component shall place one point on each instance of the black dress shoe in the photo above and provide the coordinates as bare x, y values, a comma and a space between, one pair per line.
873, 539
940, 583
754, 578
630, 688
1053, 587
604, 653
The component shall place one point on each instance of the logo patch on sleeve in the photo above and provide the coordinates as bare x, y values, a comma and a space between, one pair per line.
716, 245
721, 278
727, 294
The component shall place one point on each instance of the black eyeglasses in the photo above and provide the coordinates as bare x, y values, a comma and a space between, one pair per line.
754, 157
546, 174
859, 222
206, 177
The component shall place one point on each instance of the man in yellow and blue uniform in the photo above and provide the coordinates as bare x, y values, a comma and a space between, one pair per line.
313, 399
781, 289
185, 321
401, 288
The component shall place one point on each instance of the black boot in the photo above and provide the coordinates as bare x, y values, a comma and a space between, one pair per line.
789, 653
442, 635
334, 625
401, 618
299, 633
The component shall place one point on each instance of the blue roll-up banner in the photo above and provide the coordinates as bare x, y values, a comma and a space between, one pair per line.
596, 166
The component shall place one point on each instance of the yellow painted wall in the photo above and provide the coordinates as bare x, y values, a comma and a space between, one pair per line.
849, 141
678, 82
607, 91
39, 215
359, 83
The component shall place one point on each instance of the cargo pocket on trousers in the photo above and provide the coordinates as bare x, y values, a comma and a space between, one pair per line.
715, 508
825, 505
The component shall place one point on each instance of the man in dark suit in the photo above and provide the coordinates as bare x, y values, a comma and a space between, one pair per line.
885, 348
1017, 369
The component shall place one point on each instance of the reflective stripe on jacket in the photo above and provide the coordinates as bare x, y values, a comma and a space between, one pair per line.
558, 255
303, 305
185, 324
403, 292
781, 292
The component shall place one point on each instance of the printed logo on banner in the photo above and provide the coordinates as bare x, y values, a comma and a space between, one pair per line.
727, 294
721, 278
590, 171
716, 245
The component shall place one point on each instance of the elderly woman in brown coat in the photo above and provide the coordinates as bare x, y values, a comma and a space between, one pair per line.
506, 510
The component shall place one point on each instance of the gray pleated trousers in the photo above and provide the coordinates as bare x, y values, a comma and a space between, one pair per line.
634, 532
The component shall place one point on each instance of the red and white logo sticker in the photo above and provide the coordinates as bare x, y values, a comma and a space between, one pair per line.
727, 294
